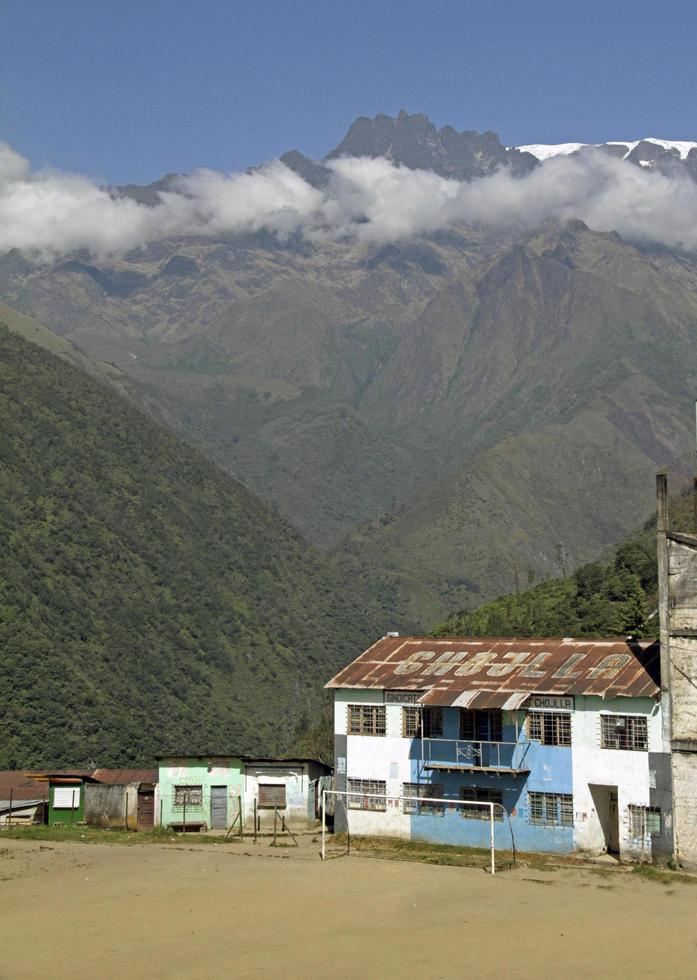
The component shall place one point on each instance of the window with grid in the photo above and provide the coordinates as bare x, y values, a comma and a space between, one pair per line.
624, 732
365, 801
188, 796
432, 720
481, 726
420, 789
366, 719
480, 795
549, 727
411, 721
644, 821
551, 809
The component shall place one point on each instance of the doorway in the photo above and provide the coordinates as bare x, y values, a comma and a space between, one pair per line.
218, 807
146, 808
606, 806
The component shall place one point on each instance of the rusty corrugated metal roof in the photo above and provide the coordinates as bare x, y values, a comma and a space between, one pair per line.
117, 777
605, 668
474, 699
21, 786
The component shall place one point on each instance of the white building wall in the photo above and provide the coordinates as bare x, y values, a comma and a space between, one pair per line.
628, 770
384, 757
297, 784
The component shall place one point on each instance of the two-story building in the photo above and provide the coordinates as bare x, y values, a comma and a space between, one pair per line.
565, 734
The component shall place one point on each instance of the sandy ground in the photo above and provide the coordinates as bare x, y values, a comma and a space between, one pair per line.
242, 910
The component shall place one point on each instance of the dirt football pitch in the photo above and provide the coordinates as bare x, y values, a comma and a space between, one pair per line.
212, 911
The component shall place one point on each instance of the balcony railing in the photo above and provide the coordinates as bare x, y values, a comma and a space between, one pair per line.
456, 753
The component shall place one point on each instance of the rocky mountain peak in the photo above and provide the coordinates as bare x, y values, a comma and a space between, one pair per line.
413, 141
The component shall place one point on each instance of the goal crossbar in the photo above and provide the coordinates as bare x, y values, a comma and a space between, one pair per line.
412, 799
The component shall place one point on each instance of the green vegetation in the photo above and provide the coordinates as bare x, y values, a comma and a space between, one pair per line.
663, 876
148, 602
612, 597
97, 835
604, 598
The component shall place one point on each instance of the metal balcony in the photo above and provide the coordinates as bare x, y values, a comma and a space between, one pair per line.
460, 755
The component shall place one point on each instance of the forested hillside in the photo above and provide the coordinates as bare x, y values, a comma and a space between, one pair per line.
614, 597
148, 602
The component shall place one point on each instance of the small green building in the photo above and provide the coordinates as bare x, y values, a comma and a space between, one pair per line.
66, 796
200, 792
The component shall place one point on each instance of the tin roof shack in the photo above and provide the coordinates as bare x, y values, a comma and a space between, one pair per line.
121, 798
66, 795
200, 792
564, 734
286, 786
23, 800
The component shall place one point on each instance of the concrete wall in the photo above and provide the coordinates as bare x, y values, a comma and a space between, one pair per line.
299, 799
640, 777
680, 617
205, 772
111, 806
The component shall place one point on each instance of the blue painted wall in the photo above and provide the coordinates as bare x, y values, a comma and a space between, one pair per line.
550, 772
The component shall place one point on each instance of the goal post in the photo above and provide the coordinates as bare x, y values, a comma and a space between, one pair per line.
465, 804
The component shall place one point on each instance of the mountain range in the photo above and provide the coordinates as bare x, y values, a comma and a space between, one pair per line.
443, 416
149, 604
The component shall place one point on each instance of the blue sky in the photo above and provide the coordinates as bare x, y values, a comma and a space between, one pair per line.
130, 90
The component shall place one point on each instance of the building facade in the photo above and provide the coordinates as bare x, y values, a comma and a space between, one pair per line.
564, 736
289, 787
200, 792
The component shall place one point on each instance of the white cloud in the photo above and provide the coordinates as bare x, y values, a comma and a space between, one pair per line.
50, 214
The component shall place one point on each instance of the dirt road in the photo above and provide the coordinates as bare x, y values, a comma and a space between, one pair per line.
186, 911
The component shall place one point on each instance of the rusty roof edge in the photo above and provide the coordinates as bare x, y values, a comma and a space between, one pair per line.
620, 665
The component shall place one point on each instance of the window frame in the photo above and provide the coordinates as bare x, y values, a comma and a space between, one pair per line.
471, 730
640, 741
275, 790
481, 794
366, 787
430, 715
415, 809
643, 813
549, 728
182, 790
559, 805
366, 719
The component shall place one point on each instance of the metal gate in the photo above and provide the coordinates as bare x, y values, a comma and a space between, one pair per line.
218, 807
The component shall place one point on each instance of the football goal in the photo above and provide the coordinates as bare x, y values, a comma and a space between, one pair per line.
415, 805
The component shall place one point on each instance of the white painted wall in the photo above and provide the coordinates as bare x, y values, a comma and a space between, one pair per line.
383, 757
626, 769
297, 784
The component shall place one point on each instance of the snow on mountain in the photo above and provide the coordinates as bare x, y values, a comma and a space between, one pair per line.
543, 151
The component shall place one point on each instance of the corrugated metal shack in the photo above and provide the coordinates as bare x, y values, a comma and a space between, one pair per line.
23, 800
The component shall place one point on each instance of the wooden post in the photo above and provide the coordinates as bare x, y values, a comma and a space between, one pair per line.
255, 819
239, 800
275, 820
184, 820
161, 802
9, 815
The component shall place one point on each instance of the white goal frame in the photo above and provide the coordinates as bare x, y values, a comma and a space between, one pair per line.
409, 799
